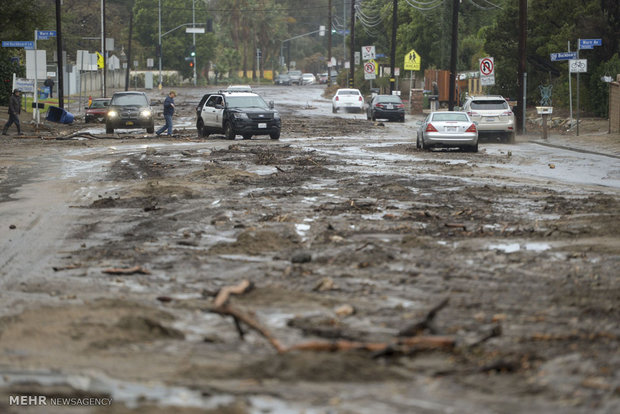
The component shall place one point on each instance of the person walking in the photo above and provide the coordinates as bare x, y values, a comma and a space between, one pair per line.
168, 112
50, 84
15, 107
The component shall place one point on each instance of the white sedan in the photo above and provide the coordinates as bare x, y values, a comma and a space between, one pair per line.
348, 99
447, 129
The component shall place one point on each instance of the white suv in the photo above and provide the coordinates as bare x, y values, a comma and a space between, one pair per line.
492, 114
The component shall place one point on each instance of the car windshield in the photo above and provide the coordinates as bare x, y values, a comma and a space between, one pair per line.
129, 100
246, 102
99, 104
389, 99
489, 104
348, 93
450, 117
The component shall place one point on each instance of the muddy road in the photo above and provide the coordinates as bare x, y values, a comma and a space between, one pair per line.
383, 279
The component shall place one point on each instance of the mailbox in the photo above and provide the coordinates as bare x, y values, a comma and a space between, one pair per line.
544, 110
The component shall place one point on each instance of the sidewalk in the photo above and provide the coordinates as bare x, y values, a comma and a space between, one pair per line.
593, 137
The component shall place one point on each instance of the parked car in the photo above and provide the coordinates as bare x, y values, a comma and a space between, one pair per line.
492, 115
323, 78
295, 76
282, 79
448, 129
97, 110
388, 107
129, 110
239, 88
348, 99
307, 79
237, 113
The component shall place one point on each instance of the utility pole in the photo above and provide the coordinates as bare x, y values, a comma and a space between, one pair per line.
453, 54
393, 53
159, 46
329, 42
194, 37
522, 72
60, 73
103, 48
129, 49
352, 47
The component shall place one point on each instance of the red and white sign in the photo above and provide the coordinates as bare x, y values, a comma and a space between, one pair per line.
370, 69
368, 52
487, 71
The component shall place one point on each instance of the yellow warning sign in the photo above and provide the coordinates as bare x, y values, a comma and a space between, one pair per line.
412, 60
99, 60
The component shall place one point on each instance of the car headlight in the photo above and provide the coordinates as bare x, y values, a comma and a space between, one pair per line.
146, 113
276, 115
112, 114
241, 115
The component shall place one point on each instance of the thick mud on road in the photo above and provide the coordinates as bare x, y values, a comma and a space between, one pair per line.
382, 279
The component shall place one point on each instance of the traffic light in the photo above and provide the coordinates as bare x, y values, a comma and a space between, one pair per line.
192, 52
191, 64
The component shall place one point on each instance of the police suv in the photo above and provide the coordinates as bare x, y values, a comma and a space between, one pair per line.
237, 113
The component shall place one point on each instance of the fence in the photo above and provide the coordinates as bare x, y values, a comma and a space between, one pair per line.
614, 106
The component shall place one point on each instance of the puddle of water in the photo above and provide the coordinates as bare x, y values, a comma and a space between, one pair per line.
302, 229
515, 247
132, 394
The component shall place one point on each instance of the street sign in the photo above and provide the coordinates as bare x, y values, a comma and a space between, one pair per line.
487, 66
578, 65
194, 30
368, 52
100, 61
487, 71
45, 34
563, 56
412, 60
370, 70
18, 43
589, 43
357, 58
24, 85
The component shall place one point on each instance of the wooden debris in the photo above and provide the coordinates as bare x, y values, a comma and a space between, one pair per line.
224, 293
127, 271
68, 267
426, 323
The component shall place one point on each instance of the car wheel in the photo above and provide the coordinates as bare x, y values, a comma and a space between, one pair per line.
247, 136
109, 130
334, 110
402, 119
417, 142
229, 132
150, 130
275, 135
373, 117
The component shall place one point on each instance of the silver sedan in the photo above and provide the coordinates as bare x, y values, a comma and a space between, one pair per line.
448, 129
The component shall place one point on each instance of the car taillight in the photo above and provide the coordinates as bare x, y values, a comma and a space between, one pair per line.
472, 128
360, 98
507, 113
473, 113
400, 105
431, 128
337, 98
378, 105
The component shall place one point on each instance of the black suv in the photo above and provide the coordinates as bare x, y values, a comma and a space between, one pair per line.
129, 110
236, 113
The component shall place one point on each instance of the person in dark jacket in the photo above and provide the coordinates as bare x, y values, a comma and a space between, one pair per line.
15, 107
168, 112
50, 84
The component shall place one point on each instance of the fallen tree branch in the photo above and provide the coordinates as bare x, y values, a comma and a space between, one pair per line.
224, 293
426, 323
126, 271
